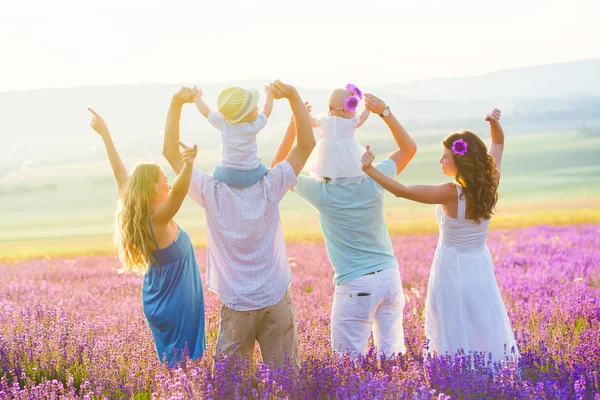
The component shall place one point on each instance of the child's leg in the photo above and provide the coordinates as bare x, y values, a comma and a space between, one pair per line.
239, 178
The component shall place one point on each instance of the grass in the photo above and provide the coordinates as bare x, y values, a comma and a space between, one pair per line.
304, 227
65, 210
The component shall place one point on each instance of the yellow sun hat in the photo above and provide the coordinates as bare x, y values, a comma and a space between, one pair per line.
235, 103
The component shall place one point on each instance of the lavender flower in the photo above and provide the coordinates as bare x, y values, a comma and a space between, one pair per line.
73, 328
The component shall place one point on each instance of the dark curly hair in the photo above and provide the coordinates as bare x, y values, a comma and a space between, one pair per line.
476, 173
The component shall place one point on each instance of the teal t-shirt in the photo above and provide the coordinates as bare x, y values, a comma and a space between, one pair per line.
353, 223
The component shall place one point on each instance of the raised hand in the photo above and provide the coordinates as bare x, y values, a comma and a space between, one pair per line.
268, 91
493, 116
199, 93
98, 124
367, 159
185, 95
374, 104
308, 107
280, 90
188, 153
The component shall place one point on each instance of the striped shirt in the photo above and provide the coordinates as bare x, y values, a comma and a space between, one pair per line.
247, 263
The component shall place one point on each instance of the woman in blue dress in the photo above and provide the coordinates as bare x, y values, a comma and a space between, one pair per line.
151, 243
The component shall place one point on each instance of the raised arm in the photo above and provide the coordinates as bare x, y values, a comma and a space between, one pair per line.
200, 104
171, 138
428, 194
363, 117
268, 107
406, 144
305, 139
497, 136
119, 170
287, 142
165, 211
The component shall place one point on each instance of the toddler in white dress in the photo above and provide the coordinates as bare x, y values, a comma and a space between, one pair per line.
337, 154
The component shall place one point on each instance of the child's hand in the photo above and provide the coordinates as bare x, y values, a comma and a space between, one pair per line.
198, 93
268, 91
280, 90
98, 124
493, 116
367, 159
308, 107
188, 153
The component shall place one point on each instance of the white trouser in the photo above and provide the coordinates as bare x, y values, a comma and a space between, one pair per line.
368, 302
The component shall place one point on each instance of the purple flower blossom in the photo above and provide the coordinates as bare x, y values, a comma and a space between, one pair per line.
350, 103
354, 90
459, 147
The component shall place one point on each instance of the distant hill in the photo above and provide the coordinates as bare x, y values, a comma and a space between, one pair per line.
49, 127
573, 79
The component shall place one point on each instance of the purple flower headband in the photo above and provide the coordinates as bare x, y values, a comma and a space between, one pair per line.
354, 90
351, 102
459, 147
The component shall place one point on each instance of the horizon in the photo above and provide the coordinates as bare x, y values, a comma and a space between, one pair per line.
226, 82
322, 45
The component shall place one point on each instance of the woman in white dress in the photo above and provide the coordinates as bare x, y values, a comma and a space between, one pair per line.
464, 308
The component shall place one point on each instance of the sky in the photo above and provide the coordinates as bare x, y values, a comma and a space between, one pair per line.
310, 43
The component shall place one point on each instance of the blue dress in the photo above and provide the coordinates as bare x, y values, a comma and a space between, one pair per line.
173, 300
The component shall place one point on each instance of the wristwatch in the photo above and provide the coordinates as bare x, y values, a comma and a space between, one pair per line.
385, 112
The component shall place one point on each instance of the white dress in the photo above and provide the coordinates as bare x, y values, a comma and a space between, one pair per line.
464, 308
338, 153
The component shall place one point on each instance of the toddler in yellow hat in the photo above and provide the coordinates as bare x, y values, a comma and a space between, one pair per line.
239, 122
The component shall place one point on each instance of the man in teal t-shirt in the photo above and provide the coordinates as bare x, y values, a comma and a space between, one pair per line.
368, 288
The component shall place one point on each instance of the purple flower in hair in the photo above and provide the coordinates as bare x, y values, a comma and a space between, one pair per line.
350, 103
354, 90
459, 147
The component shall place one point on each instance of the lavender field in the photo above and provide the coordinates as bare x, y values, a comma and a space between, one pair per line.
74, 328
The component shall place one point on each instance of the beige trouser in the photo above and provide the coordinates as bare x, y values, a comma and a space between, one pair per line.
274, 327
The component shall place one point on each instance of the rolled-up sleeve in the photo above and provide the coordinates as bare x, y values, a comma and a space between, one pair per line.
200, 181
280, 179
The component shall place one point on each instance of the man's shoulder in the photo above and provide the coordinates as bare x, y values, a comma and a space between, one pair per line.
199, 177
387, 167
281, 169
310, 188
308, 181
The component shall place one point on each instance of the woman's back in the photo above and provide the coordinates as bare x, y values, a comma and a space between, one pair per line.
461, 233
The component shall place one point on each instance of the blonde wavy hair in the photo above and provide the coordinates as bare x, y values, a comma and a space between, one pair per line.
477, 174
132, 233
